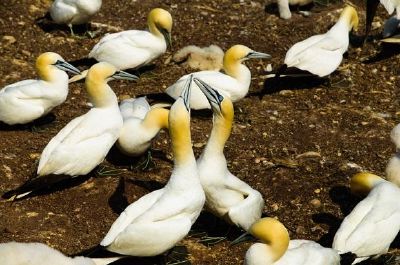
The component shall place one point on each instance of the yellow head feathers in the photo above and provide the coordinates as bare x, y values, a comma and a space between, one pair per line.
100, 72
350, 14
44, 63
273, 233
160, 23
361, 183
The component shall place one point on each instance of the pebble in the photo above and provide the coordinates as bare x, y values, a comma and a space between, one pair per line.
9, 39
300, 230
316, 203
285, 92
34, 156
317, 191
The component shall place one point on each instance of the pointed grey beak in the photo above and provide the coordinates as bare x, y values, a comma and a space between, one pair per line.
63, 65
258, 55
124, 76
185, 95
214, 98
243, 238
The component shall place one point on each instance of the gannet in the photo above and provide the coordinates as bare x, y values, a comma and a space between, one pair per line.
27, 100
374, 223
234, 83
322, 54
85, 141
393, 167
226, 195
158, 220
275, 247
74, 12
390, 6
13, 253
141, 124
135, 48
284, 9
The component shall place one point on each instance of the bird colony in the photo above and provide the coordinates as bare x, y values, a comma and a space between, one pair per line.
155, 223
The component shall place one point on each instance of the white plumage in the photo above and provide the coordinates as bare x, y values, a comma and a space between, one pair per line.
74, 12
226, 195
28, 100
141, 125
284, 9
391, 6
160, 219
374, 223
234, 83
322, 54
136, 48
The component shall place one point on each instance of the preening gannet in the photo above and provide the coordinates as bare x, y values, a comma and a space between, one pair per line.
160, 219
234, 83
74, 12
322, 54
13, 253
226, 195
28, 100
85, 141
136, 48
374, 223
276, 249
141, 124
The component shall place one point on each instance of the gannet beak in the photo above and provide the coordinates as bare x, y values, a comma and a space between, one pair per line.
257, 55
124, 76
167, 37
371, 10
243, 238
186, 92
63, 65
214, 98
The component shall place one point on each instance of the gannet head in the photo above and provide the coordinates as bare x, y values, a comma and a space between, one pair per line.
362, 183
237, 54
46, 62
350, 14
160, 22
98, 75
273, 233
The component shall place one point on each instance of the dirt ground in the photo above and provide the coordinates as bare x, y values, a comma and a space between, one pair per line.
297, 142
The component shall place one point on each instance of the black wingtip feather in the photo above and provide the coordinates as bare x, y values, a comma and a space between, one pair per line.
347, 258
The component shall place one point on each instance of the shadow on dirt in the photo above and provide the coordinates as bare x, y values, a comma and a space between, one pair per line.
37, 125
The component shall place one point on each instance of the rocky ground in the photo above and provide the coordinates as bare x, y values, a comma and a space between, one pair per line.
297, 142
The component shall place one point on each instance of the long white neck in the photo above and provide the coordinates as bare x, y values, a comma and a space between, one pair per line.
259, 254
100, 93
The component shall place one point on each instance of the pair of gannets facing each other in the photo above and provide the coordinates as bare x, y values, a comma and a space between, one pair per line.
276, 248
160, 219
284, 9
141, 124
13, 253
28, 100
226, 195
74, 12
322, 54
374, 223
234, 83
135, 48
85, 141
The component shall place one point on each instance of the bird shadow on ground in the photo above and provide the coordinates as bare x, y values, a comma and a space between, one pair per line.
48, 25
36, 125
387, 50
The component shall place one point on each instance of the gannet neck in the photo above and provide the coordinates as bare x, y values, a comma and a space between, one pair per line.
274, 234
362, 183
222, 127
100, 93
348, 19
157, 20
179, 130
156, 119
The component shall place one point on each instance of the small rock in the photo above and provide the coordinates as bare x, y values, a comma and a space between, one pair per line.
34, 156
32, 214
300, 230
285, 92
9, 39
316, 203
317, 191
19, 62
274, 207
199, 145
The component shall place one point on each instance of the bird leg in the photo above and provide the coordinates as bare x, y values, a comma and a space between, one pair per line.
148, 163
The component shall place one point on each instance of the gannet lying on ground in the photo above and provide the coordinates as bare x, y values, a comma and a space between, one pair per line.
374, 223
322, 54
284, 9
74, 12
226, 195
234, 83
276, 249
160, 219
28, 100
141, 125
13, 253
390, 6
85, 141
136, 48
207, 58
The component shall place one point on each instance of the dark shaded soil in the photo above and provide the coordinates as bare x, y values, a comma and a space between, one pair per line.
297, 142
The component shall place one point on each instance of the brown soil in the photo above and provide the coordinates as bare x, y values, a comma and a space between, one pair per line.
296, 142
